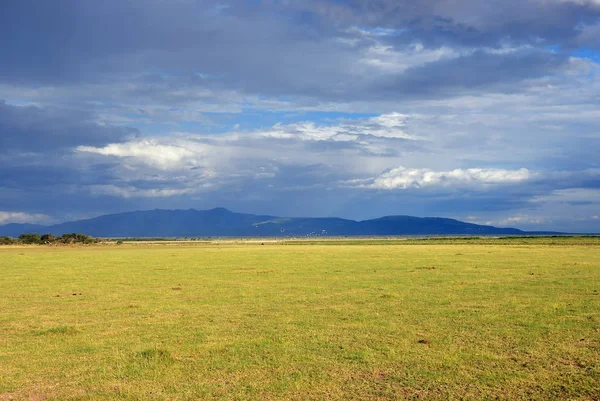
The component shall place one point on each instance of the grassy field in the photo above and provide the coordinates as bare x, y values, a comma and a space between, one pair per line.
297, 321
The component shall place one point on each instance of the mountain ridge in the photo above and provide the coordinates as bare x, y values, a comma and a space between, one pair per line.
223, 222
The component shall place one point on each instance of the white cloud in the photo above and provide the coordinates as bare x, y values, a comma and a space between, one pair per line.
589, 33
387, 60
568, 210
21, 217
151, 152
570, 195
518, 220
197, 162
404, 178
391, 125
133, 192
192, 160
581, 2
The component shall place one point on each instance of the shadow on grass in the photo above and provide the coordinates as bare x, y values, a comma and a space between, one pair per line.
58, 330
155, 355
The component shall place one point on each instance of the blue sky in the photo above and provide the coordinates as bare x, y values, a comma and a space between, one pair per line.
481, 111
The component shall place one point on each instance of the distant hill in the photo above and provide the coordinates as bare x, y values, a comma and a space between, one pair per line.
222, 222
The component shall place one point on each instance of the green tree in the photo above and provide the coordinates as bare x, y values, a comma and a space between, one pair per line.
30, 238
47, 238
6, 241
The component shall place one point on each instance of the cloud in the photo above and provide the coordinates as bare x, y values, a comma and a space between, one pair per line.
384, 126
186, 50
469, 22
589, 196
519, 220
566, 209
405, 178
23, 217
284, 157
32, 128
468, 73
149, 152
251, 152
133, 192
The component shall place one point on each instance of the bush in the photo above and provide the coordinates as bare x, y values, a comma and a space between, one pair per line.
47, 238
30, 239
6, 241
73, 238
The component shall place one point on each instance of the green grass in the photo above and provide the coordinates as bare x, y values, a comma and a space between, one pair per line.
58, 330
329, 321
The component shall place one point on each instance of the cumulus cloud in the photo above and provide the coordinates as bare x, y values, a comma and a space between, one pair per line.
128, 191
405, 178
23, 217
150, 152
240, 152
389, 125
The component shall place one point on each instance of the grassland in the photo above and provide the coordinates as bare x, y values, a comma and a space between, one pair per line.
301, 321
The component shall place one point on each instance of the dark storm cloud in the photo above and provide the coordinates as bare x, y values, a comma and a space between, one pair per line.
55, 174
301, 48
75, 41
35, 129
474, 72
468, 22
59, 40
55, 186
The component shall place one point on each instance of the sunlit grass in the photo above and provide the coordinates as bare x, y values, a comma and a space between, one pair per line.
334, 321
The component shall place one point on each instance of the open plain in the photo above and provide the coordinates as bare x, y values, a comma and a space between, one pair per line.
320, 320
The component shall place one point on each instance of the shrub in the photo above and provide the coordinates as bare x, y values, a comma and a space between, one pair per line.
47, 238
73, 238
6, 241
30, 238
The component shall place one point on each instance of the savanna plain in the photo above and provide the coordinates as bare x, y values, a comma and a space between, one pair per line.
514, 319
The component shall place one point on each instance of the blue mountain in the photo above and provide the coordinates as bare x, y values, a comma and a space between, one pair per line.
223, 222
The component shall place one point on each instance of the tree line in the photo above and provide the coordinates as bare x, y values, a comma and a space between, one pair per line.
49, 239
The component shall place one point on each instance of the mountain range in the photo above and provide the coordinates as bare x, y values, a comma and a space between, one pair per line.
223, 222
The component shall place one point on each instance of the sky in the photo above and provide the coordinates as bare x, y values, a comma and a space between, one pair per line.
483, 111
